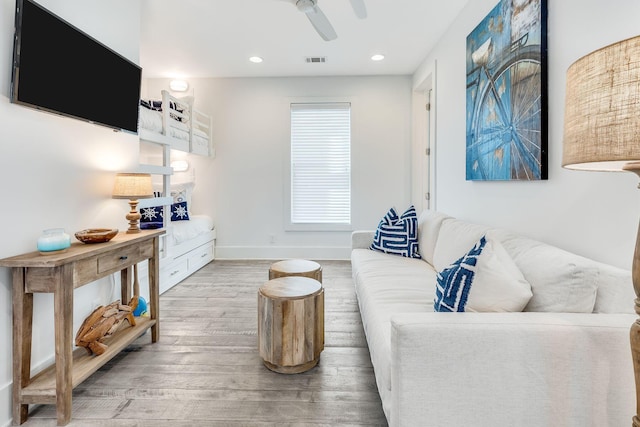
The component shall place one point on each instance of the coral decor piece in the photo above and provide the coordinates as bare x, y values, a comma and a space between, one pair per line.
103, 322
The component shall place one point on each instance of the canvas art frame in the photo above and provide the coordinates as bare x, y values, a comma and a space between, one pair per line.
506, 95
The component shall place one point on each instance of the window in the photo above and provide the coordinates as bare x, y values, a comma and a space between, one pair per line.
320, 190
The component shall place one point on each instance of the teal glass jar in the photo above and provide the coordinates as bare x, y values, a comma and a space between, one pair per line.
53, 239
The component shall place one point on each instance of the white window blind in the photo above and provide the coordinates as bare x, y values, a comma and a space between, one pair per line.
321, 163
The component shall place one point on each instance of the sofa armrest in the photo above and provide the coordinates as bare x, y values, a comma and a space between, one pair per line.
510, 369
362, 239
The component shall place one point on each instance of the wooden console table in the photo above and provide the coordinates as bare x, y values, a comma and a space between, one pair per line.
60, 274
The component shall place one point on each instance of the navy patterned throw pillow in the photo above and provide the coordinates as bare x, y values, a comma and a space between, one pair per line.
485, 279
151, 218
398, 235
179, 212
454, 282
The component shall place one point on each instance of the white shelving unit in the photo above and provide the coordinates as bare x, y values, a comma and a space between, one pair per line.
165, 170
179, 261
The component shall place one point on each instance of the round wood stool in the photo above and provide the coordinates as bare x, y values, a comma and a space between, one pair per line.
291, 324
296, 267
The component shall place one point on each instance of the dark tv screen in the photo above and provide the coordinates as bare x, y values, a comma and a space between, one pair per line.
60, 69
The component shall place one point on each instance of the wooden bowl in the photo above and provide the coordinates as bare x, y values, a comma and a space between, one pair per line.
96, 235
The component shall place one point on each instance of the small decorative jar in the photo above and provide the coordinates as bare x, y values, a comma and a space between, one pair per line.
53, 239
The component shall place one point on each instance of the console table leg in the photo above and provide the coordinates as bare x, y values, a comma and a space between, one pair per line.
22, 329
125, 285
154, 289
63, 312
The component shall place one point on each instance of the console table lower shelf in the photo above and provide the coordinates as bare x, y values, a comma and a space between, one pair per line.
42, 388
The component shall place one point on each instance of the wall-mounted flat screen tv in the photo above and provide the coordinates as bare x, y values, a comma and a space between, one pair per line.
60, 69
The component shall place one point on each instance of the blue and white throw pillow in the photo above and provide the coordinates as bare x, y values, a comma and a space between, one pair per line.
182, 192
398, 235
179, 212
484, 279
151, 218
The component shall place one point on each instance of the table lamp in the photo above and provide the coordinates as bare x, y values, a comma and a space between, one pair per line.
602, 133
133, 186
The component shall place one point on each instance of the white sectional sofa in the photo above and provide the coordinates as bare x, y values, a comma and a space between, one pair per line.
564, 361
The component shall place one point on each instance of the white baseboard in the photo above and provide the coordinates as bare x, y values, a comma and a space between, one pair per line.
6, 417
282, 252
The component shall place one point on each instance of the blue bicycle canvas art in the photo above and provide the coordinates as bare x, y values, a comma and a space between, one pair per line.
506, 112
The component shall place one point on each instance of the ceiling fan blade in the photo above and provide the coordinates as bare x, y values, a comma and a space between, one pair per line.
359, 8
322, 25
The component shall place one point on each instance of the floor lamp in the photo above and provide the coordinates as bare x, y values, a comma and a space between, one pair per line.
602, 133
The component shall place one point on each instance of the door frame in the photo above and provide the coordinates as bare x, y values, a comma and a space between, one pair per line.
423, 151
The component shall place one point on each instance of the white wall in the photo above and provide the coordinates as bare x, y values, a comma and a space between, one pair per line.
594, 214
58, 172
243, 187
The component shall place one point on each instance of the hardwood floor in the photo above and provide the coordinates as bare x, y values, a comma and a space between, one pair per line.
206, 371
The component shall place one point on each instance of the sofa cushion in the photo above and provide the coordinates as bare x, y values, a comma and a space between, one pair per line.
454, 240
398, 235
615, 290
386, 285
429, 224
561, 281
484, 279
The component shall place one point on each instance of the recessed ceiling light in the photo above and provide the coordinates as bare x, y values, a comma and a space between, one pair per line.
377, 57
255, 59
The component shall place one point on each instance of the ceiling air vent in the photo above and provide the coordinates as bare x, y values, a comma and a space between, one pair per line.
316, 59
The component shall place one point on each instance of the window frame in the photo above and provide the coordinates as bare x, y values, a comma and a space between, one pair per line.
289, 225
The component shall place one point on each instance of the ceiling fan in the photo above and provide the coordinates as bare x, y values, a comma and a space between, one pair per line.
319, 20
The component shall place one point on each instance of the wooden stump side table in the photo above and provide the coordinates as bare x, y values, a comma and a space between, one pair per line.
291, 324
296, 267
